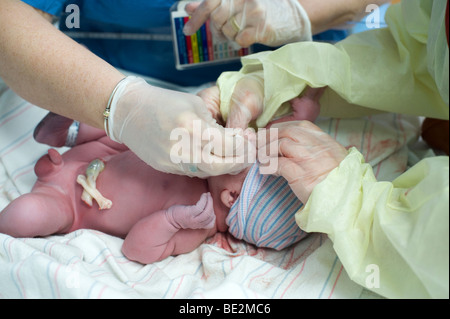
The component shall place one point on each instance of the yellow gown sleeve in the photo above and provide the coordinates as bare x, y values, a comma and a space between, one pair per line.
392, 238
398, 69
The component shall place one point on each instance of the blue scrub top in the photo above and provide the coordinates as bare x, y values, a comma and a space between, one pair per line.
154, 58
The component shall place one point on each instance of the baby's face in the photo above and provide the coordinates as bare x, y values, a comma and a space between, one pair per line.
225, 190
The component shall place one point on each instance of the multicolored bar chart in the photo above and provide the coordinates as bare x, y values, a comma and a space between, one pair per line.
201, 48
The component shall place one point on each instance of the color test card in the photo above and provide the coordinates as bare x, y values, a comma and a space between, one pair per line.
201, 49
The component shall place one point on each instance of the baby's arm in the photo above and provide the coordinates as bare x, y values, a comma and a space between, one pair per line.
304, 108
179, 229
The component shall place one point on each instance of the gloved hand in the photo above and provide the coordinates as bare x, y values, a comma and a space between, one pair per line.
268, 22
306, 155
174, 132
199, 216
247, 102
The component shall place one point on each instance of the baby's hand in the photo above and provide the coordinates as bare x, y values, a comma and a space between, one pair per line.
199, 216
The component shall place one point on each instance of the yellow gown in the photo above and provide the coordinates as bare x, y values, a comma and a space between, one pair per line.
398, 231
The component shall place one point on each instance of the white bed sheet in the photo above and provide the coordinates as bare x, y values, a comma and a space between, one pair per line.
89, 264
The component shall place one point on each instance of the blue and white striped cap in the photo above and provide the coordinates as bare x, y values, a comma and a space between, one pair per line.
264, 213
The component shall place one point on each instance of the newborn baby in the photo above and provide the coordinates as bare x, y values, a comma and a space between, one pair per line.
99, 184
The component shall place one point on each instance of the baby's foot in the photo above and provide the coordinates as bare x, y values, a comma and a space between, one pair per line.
53, 130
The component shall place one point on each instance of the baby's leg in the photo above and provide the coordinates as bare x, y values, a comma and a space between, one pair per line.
41, 213
177, 230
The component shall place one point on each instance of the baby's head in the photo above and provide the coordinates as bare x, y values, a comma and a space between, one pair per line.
225, 190
259, 209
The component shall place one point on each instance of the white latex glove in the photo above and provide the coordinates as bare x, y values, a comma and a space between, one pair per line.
247, 102
306, 155
145, 118
269, 22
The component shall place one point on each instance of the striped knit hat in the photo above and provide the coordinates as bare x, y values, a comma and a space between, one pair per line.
264, 213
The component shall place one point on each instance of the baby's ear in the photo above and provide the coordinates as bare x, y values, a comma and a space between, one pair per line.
229, 197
